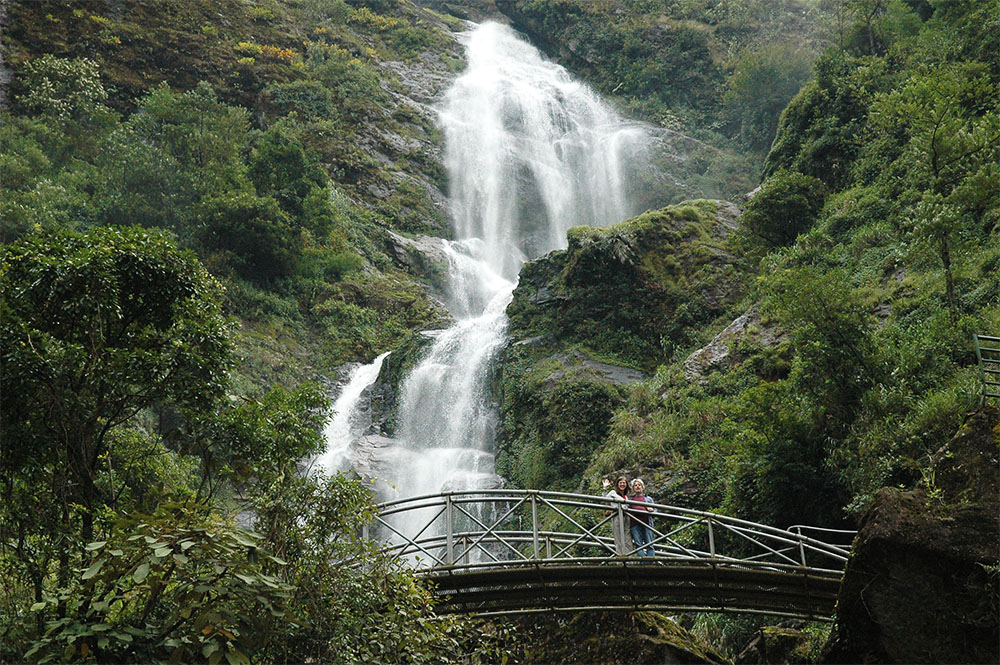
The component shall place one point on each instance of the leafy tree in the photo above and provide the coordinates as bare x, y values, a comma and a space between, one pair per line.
760, 86
96, 328
251, 235
68, 89
951, 156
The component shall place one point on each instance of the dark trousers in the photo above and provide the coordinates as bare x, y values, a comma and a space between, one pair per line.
642, 536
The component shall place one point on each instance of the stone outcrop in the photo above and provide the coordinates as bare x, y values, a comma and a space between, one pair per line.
588, 321
720, 353
922, 584
421, 255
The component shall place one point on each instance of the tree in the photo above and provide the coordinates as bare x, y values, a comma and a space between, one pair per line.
96, 328
951, 154
762, 83
786, 205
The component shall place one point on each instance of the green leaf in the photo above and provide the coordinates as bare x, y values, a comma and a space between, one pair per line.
236, 657
141, 572
38, 606
96, 545
244, 539
94, 569
162, 551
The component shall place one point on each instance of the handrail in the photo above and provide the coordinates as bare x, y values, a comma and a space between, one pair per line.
601, 503
503, 551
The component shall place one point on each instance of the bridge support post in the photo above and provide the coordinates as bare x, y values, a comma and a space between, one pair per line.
711, 538
449, 534
534, 525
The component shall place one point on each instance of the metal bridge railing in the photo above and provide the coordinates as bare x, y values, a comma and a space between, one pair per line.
988, 358
477, 529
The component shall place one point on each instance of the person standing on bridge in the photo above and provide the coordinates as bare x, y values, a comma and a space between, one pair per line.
620, 493
641, 518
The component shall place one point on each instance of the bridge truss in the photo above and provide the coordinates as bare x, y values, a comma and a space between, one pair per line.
495, 552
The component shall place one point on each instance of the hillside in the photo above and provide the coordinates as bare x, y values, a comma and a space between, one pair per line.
211, 208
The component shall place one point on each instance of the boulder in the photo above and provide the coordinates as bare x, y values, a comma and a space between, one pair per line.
922, 582
604, 637
719, 354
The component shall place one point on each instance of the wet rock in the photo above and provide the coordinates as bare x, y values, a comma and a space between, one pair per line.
368, 458
922, 585
421, 255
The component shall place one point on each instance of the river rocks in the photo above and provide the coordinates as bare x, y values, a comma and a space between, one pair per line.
922, 584
778, 645
598, 637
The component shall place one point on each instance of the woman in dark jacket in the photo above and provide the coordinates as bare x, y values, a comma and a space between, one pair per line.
641, 518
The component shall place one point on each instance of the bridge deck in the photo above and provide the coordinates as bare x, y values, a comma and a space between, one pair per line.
634, 584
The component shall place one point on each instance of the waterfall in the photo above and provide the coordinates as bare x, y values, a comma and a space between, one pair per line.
529, 153
344, 427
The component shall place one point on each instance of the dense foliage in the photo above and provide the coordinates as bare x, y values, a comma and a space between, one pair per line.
165, 169
127, 471
875, 241
195, 205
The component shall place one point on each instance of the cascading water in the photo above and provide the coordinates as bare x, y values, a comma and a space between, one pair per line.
529, 152
344, 427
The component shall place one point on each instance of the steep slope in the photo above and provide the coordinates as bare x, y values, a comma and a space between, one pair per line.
319, 115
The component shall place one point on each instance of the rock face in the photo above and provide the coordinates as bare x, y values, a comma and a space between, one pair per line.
720, 353
922, 584
588, 321
595, 637
420, 255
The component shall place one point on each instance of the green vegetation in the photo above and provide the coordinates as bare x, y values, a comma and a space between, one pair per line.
876, 240
193, 218
195, 205
126, 463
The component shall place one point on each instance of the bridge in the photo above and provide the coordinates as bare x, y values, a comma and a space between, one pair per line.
497, 552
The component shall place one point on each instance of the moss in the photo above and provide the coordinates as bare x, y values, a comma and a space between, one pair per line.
633, 291
598, 637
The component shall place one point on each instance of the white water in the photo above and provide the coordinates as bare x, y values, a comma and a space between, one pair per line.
530, 152
344, 427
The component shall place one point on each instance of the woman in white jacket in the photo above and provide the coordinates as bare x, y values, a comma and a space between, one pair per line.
619, 520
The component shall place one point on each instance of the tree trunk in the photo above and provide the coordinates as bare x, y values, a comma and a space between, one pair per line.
949, 281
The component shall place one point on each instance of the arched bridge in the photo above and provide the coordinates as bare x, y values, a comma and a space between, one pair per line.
494, 552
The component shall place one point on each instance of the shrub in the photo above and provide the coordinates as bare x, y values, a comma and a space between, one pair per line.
786, 206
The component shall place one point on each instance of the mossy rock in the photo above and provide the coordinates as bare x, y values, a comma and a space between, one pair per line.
633, 291
555, 411
612, 638
387, 387
921, 585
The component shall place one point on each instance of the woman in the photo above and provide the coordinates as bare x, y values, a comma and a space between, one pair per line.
620, 493
641, 518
